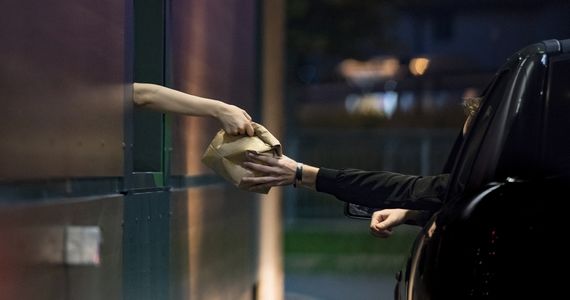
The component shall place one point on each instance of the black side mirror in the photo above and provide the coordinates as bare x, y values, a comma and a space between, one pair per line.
356, 211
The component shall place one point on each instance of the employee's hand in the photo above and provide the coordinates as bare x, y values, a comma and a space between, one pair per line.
235, 121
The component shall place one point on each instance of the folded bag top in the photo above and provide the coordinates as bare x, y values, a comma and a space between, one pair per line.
226, 153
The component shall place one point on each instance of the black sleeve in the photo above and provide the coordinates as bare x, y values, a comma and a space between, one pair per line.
381, 189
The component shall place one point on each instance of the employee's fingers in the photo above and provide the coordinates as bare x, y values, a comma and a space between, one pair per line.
247, 115
249, 129
232, 131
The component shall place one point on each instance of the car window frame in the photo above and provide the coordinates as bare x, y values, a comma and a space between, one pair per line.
521, 93
545, 157
484, 154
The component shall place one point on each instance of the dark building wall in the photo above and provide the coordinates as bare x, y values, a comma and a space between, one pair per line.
62, 77
68, 145
62, 80
213, 47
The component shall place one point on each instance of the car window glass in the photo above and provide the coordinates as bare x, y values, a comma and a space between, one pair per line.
475, 136
557, 152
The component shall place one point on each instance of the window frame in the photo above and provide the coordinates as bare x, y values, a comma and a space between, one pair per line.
546, 155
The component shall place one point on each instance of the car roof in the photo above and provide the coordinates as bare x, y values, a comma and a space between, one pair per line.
556, 46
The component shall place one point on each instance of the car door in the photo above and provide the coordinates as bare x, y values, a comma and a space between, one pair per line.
447, 258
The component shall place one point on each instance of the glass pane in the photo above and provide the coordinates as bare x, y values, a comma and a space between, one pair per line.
148, 68
475, 137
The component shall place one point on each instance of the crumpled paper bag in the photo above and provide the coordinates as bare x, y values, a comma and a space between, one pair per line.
226, 153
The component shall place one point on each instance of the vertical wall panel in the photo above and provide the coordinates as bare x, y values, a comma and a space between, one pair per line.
271, 283
62, 81
214, 231
146, 245
214, 241
213, 55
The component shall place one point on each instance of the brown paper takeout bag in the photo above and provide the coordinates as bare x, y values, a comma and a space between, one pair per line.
226, 153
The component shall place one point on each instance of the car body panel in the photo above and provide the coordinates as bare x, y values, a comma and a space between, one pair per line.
497, 235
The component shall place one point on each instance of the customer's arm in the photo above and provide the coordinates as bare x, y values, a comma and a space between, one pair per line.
376, 189
276, 171
382, 189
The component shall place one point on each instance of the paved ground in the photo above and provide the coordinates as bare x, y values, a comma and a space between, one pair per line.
338, 287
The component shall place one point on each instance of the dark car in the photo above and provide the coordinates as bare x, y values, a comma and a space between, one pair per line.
501, 232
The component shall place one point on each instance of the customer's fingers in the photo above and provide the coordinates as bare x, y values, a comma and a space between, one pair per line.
381, 233
259, 188
267, 160
379, 224
258, 167
257, 180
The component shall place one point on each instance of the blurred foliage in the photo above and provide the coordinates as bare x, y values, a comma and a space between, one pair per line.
345, 243
310, 250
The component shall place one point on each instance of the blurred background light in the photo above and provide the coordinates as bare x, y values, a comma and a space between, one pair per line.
418, 66
366, 73
372, 104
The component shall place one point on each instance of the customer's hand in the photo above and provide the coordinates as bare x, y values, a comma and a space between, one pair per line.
384, 220
269, 171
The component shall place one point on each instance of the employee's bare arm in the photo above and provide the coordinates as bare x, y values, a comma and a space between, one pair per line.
234, 120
